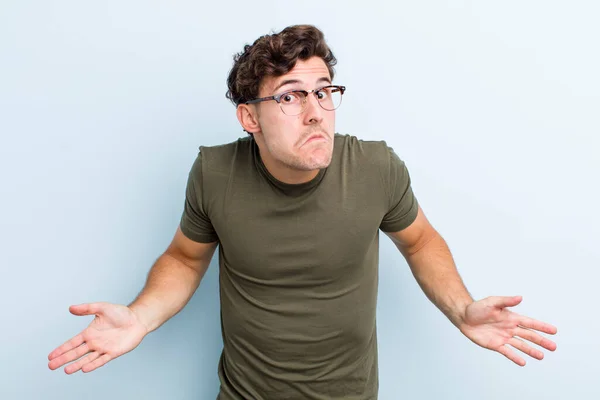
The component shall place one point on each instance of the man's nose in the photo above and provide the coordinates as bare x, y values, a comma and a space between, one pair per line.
313, 110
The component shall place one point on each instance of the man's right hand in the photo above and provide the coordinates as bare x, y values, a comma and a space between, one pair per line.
116, 330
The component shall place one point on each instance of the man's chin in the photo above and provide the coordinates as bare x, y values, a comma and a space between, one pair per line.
318, 159
318, 164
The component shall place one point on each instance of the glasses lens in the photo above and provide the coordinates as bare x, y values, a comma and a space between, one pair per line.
330, 98
292, 103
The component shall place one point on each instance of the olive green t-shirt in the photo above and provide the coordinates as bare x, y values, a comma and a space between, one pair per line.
298, 266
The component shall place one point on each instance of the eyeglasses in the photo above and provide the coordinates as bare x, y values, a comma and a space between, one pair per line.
294, 101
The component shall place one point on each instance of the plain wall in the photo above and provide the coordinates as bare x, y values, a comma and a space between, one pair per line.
492, 105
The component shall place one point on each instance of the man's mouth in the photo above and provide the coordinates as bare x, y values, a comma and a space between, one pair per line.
315, 137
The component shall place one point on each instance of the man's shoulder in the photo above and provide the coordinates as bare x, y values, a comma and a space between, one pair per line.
229, 148
355, 141
218, 157
353, 147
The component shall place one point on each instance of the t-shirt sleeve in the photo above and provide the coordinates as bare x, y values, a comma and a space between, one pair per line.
195, 223
402, 203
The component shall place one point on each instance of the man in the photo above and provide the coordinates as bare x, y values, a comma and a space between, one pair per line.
296, 211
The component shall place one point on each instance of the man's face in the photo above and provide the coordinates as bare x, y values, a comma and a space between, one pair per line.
284, 139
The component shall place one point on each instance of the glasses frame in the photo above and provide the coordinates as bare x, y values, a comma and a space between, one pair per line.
278, 97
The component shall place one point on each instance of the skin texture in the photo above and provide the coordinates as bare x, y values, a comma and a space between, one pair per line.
282, 139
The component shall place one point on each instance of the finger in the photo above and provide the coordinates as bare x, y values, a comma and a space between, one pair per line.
511, 355
69, 356
525, 348
70, 344
76, 366
531, 323
87, 309
536, 338
506, 301
96, 363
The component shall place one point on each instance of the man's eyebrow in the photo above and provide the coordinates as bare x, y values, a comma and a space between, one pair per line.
292, 81
286, 82
324, 79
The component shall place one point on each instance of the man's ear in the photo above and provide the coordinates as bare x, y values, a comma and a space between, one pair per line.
248, 117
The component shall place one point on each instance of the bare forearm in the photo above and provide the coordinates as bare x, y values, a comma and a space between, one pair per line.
169, 286
435, 271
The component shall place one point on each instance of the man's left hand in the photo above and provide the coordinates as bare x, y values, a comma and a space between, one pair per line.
490, 324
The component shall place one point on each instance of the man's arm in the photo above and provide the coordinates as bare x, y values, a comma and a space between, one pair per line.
172, 280
432, 265
118, 329
487, 322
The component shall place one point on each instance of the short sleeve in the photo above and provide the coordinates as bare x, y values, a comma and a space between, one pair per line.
402, 203
195, 223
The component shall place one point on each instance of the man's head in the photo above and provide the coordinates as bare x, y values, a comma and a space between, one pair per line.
295, 59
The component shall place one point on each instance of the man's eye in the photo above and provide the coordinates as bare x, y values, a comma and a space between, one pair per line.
289, 98
323, 94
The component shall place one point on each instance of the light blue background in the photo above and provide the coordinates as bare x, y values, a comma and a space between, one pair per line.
493, 106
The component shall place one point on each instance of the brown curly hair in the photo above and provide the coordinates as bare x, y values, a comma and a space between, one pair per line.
275, 55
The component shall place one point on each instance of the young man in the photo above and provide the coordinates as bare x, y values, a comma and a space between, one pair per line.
296, 210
